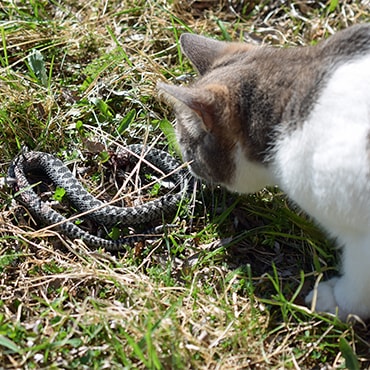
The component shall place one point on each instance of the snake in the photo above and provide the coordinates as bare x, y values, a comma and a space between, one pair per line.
84, 202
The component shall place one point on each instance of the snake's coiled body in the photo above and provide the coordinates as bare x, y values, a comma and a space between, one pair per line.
83, 201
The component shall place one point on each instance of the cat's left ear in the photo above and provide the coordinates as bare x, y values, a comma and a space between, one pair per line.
202, 51
204, 102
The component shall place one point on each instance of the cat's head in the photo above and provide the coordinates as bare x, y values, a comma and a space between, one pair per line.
209, 112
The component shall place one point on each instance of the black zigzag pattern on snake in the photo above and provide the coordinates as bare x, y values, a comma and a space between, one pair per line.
83, 201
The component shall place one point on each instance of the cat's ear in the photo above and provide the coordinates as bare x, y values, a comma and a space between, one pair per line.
204, 102
201, 51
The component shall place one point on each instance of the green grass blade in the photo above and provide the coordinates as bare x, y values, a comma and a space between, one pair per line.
7, 343
347, 352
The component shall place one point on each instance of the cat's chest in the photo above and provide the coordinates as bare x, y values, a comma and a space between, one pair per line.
324, 164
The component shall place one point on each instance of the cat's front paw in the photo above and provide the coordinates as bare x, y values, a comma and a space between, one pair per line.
325, 300
340, 295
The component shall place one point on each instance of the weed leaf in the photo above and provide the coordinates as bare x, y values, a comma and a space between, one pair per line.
332, 5
126, 121
59, 193
37, 65
169, 131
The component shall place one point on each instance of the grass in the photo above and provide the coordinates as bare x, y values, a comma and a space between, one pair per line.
225, 289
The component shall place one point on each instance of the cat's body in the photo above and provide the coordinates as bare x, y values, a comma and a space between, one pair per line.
298, 118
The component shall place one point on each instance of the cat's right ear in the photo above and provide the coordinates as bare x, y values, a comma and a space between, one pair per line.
201, 101
201, 51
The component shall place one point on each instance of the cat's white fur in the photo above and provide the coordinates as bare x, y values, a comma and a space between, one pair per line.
324, 167
253, 177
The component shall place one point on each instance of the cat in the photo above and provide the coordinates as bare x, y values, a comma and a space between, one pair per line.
294, 117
